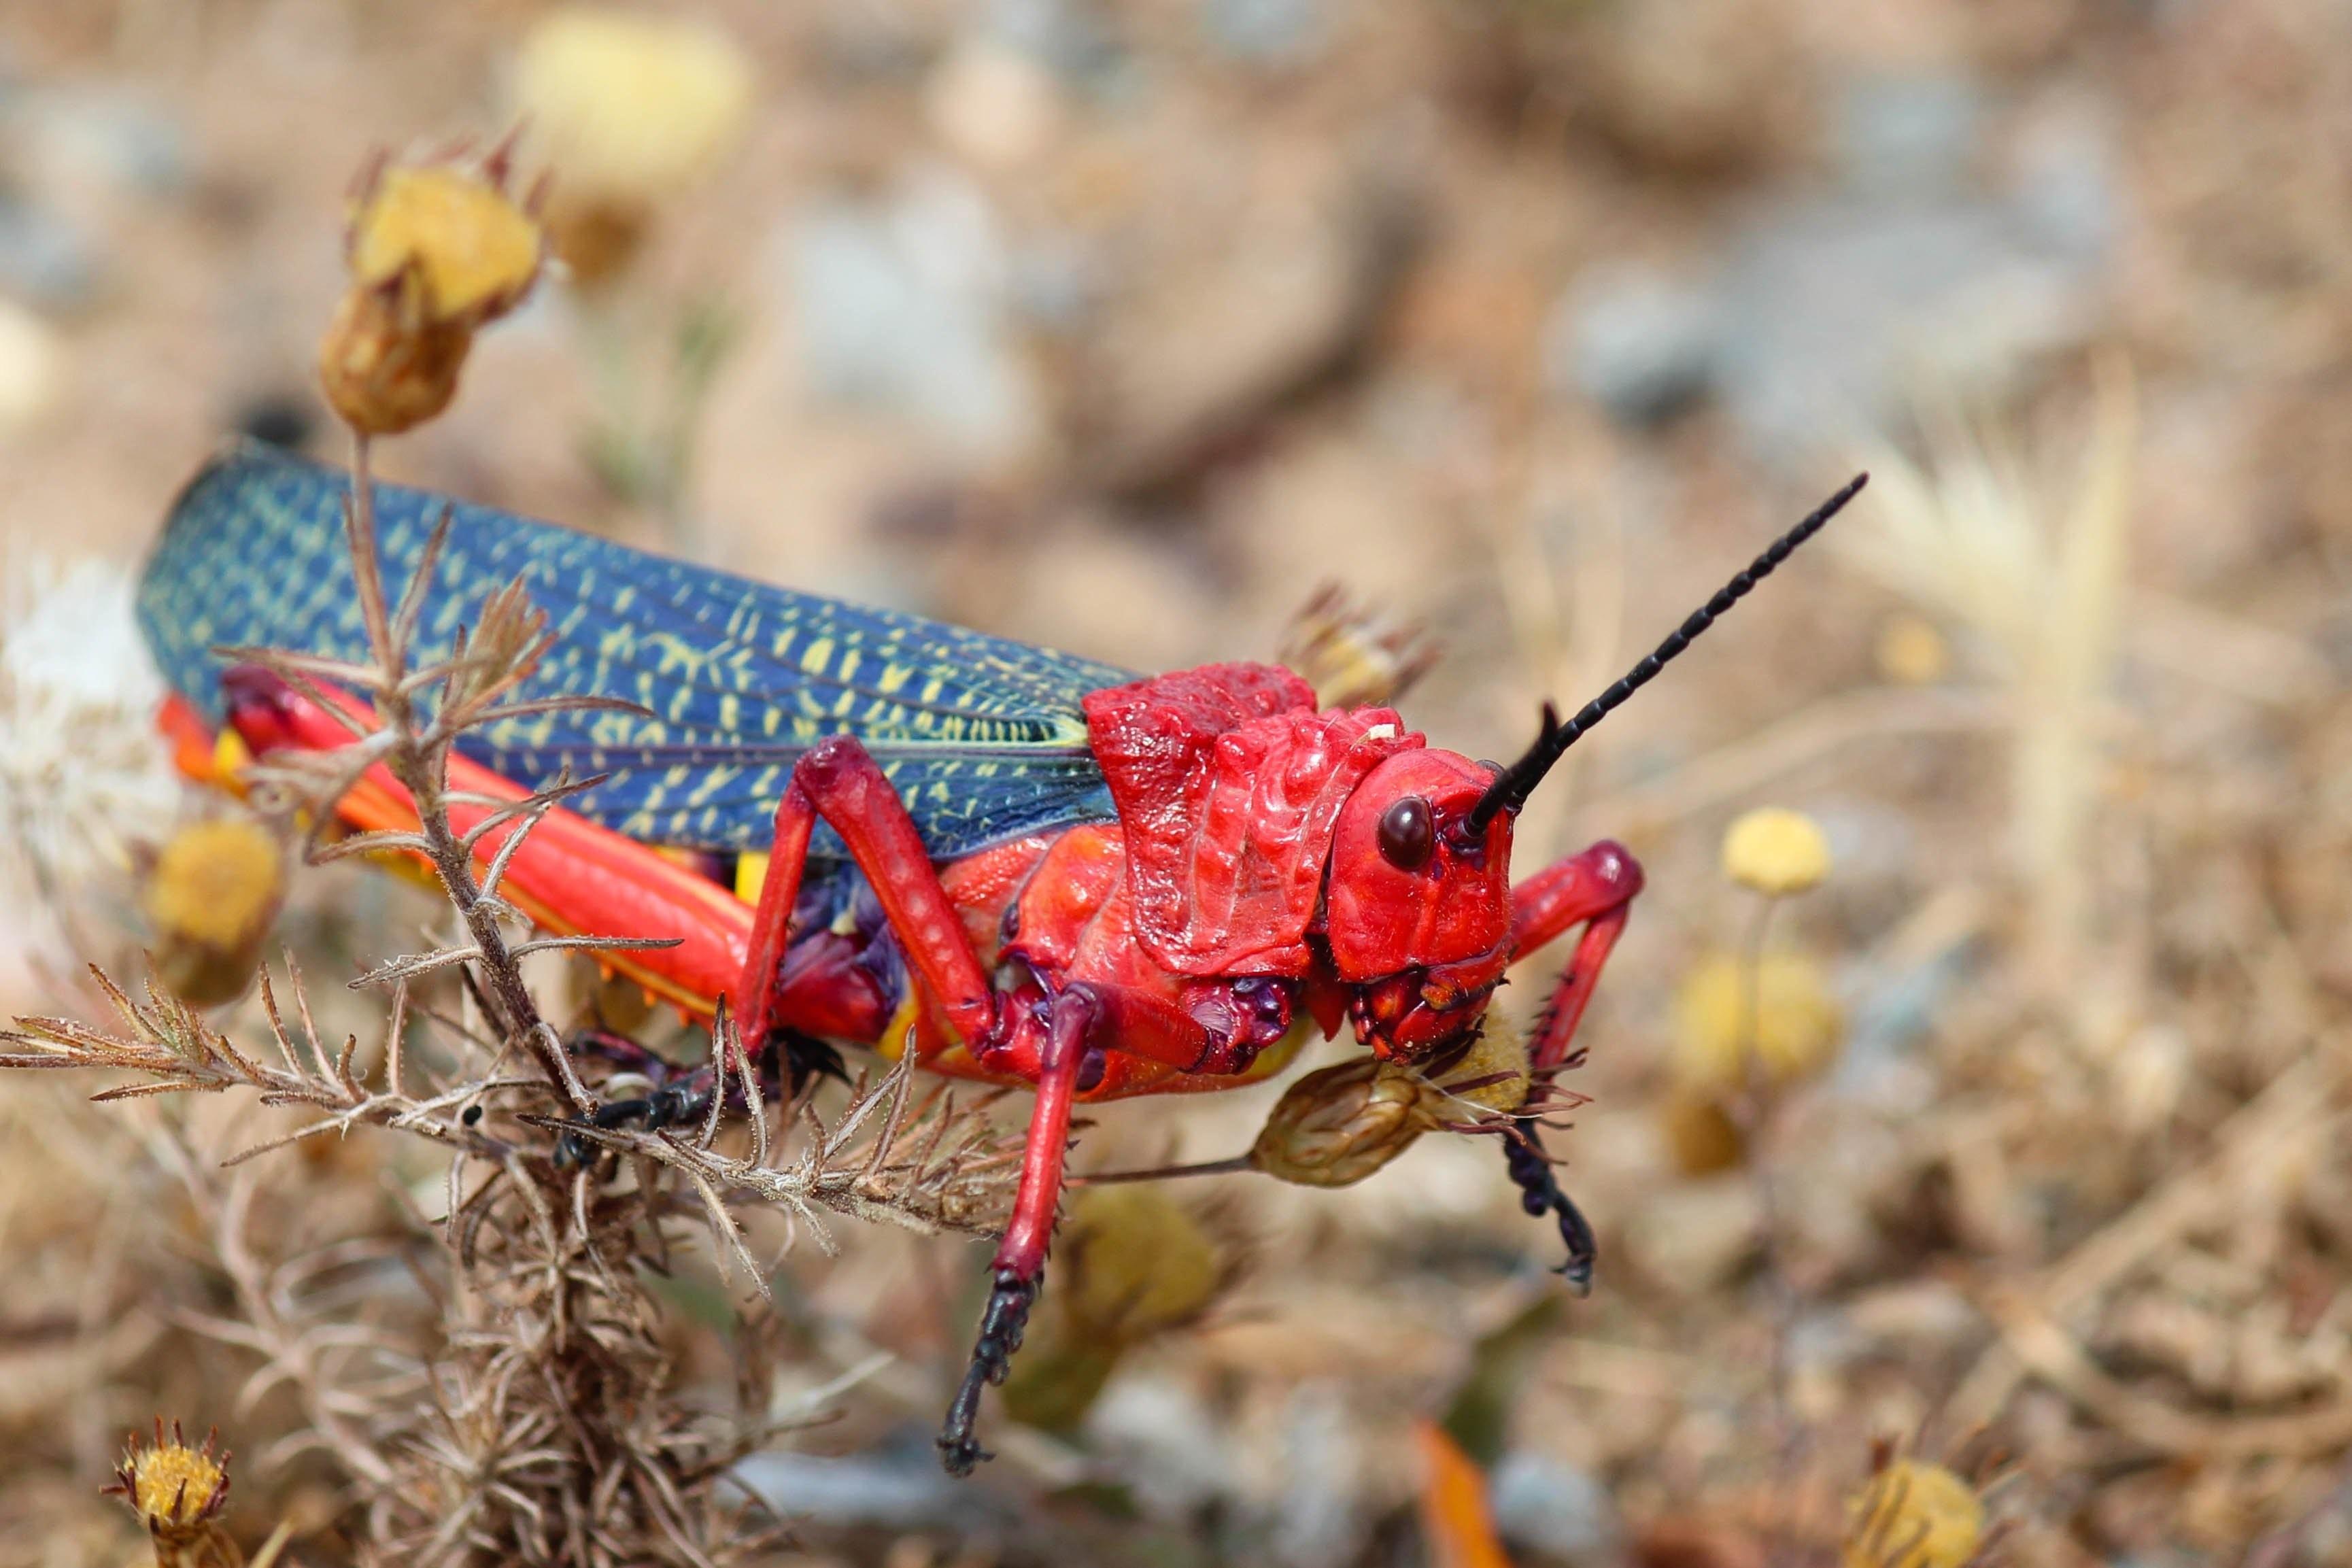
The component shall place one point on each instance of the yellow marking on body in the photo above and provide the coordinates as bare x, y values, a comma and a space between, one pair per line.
893, 1043
819, 655
230, 753
751, 874
895, 676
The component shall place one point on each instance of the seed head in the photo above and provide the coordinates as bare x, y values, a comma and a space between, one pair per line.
1775, 851
177, 1491
1336, 1127
1794, 1034
213, 895
1914, 1514
436, 252
1353, 656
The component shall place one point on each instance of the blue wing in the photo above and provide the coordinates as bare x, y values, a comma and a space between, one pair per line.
984, 738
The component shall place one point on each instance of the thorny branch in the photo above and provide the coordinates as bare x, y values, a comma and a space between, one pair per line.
538, 1421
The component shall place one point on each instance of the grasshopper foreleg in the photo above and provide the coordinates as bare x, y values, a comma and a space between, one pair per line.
1594, 889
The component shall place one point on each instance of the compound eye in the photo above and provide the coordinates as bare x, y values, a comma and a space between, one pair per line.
1408, 833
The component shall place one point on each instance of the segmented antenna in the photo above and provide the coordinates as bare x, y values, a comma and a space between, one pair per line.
1512, 787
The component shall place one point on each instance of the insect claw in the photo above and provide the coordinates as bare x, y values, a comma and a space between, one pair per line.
1001, 1328
1539, 1194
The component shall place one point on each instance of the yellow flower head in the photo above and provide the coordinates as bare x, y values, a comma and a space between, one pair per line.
1794, 1033
1775, 851
474, 251
177, 1491
213, 896
626, 107
1914, 1515
436, 251
1353, 656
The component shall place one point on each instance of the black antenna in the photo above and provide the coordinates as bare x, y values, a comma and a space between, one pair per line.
1511, 788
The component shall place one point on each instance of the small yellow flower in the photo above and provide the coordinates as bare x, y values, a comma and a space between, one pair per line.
177, 1491
1795, 1032
1912, 652
627, 108
1775, 851
474, 251
213, 896
1336, 1127
435, 253
1913, 1515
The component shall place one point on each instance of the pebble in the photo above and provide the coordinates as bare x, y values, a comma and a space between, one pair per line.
1638, 342
1556, 1509
1320, 1524
103, 138
1172, 1448
1271, 35
1695, 1236
995, 106
899, 1486
1908, 136
900, 303
1917, 273
44, 261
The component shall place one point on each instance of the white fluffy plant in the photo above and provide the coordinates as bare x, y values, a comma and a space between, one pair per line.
87, 786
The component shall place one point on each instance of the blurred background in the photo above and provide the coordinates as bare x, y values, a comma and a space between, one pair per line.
1126, 325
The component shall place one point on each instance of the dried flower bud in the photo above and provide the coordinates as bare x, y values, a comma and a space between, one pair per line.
213, 896
455, 238
1351, 655
1794, 1034
1338, 1126
177, 1491
1775, 851
626, 108
1914, 1514
435, 253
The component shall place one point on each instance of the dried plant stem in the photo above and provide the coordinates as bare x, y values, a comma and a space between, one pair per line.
1756, 1110
419, 760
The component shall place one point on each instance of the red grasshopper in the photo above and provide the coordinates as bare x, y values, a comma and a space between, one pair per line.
1037, 870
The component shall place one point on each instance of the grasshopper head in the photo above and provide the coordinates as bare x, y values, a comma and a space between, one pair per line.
1417, 903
